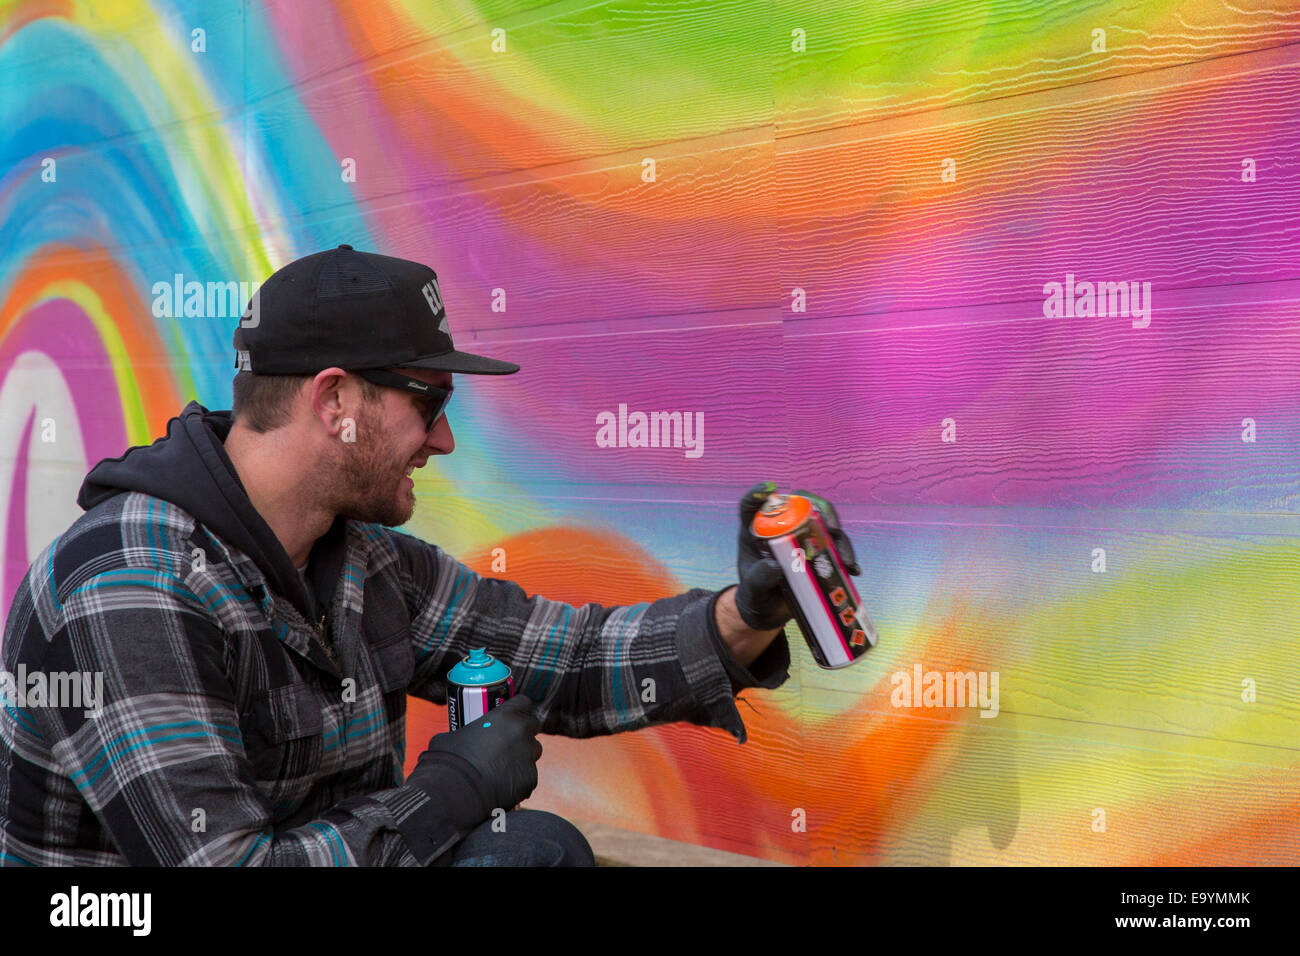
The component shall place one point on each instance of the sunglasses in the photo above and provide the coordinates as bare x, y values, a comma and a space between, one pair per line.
436, 399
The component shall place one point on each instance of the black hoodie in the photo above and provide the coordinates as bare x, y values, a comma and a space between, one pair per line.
189, 468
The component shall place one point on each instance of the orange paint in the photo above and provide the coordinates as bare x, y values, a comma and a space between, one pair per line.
24, 13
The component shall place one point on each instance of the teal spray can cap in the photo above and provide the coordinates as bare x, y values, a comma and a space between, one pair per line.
479, 668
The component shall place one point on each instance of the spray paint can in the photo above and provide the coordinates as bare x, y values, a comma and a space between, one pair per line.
476, 685
819, 590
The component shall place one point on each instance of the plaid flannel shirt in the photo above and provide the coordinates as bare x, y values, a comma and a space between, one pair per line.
227, 736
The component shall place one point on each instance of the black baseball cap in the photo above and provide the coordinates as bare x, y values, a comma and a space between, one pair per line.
355, 310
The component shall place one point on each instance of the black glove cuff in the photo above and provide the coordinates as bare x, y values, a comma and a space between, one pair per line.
767, 618
770, 670
454, 786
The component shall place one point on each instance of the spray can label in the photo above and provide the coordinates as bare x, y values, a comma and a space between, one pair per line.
821, 594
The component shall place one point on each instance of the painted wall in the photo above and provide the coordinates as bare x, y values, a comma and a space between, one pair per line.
831, 229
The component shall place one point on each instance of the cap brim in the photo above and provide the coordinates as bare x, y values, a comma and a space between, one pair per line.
463, 362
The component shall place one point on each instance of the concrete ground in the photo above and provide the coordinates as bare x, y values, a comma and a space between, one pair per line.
614, 847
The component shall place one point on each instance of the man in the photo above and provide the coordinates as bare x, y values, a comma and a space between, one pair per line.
258, 627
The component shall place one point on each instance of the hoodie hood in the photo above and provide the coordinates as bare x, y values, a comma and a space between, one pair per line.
190, 469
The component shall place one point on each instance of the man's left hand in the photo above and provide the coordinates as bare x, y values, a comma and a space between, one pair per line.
759, 599
750, 615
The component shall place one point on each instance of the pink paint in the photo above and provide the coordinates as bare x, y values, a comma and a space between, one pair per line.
62, 331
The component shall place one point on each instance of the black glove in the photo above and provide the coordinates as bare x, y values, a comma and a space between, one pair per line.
489, 763
760, 597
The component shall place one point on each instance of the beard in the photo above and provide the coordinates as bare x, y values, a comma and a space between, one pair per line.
370, 481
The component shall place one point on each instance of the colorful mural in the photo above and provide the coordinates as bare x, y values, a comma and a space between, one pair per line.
1016, 286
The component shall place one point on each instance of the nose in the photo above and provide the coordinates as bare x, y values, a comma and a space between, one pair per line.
439, 439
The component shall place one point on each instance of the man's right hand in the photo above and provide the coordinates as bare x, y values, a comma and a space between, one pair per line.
501, 748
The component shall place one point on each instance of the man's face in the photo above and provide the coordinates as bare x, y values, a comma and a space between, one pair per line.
391, 440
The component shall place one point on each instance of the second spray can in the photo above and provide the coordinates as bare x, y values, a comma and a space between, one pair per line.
825, 603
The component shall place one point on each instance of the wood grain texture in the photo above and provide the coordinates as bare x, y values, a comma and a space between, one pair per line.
557, 403
1124, 182
332, 36
1162, 640
592, 241
575, 80
176, 173
1021, 791
1084, 412
122, 42
903, 57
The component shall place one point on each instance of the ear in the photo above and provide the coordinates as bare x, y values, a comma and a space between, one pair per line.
325, 395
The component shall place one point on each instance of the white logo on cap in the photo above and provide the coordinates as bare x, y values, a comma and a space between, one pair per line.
433, 296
